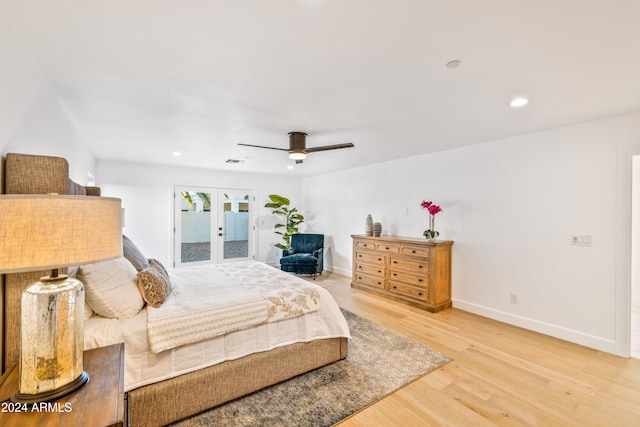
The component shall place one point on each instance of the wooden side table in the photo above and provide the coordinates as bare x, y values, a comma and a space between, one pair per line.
98, 403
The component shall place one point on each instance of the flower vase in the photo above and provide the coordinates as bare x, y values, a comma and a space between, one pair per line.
368, 226
377, 229
431, 234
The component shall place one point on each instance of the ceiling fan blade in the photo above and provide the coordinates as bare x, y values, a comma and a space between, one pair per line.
329, 147
262, 146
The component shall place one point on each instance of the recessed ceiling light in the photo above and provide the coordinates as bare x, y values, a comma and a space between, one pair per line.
177, 153
520, 101
453, 64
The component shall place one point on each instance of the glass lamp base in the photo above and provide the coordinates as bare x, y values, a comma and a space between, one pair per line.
52, 394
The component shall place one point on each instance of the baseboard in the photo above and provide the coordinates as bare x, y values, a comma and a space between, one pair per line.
338, 270
571, 335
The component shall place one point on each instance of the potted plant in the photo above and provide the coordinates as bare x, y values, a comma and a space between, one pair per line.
431, 234
292, 219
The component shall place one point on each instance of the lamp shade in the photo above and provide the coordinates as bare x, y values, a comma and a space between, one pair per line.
39, 232
42, 232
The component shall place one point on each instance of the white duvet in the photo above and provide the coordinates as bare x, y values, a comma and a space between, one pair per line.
143, 367
207, 301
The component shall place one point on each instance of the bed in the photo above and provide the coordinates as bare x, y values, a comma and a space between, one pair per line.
172, 375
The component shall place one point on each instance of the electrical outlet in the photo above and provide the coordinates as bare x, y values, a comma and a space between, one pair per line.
513, 298
580, 239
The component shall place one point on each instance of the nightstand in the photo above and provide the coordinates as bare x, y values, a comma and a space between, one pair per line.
99, 403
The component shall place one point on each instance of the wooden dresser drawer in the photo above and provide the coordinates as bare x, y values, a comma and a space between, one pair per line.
377, 282
413, 279
389, 248
371, 258
415, 251
408, 291
365, 244
409, 264
372, 270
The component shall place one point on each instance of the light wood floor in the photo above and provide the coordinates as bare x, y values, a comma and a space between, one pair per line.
501, 374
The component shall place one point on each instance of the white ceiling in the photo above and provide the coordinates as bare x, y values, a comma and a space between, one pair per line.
143, 78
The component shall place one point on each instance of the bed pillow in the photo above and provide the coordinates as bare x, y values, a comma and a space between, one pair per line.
133, 254
88, 312
111, 288
154, 284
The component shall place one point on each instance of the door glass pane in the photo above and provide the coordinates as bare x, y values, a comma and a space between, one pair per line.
235, 206
196, 226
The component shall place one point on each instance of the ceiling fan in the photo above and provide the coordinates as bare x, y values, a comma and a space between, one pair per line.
298, 146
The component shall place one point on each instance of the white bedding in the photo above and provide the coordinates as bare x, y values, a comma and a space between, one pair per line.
207, 301
143, 367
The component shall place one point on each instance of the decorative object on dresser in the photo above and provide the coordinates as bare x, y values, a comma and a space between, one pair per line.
368, 226
50, 232
404, 269
377, 229
431, 233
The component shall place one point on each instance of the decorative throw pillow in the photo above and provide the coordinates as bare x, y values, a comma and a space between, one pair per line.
154, 284
111, 288
133, 254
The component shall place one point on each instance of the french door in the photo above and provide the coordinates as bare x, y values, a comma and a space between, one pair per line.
212, 225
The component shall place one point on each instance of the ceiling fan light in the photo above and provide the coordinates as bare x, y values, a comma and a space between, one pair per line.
297, 155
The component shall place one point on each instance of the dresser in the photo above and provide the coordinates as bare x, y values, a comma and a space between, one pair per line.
410, 270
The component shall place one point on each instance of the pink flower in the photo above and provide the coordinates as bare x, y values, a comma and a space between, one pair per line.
434, 209
431, 207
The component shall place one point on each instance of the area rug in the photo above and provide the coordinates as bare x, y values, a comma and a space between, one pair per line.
379, 362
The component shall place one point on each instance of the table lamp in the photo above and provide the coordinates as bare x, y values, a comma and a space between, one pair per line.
48, 232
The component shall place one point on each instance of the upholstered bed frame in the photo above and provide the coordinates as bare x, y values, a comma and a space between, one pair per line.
177, 398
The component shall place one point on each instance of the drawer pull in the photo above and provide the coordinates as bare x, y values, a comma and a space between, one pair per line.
379, 259
387, 248
395, 287
419, 280
419, 266
379, 283
394, 274
413, 252
420, 293
395, 262
379, 271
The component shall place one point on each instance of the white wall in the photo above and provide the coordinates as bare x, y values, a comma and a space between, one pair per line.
147, 196
510, 206
32, 121
635, 257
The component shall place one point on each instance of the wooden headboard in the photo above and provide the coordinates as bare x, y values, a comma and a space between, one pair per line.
30, 174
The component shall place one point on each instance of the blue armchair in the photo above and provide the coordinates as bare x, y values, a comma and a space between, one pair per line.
305, 255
